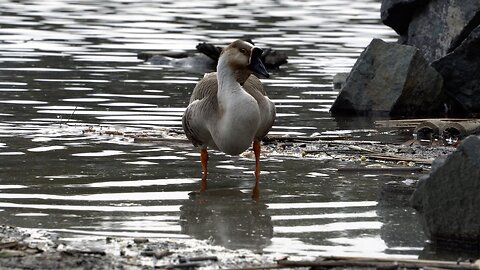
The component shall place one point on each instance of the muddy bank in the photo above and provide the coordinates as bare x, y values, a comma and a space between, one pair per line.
35, 249
341, 147
359, 151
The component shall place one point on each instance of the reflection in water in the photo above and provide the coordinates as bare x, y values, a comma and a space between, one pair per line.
227, 217
450, 251
397, 225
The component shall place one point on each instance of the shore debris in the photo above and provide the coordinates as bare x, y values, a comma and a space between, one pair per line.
18, 250
340, 262
447, 130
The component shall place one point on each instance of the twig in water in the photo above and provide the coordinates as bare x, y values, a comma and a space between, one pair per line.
71, 115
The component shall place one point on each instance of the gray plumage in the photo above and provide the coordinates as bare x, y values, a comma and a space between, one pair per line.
229, 110
204, 110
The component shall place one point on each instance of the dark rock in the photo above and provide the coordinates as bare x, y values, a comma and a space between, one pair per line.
461, 73
390, 79
472, 24
448, 198
398, 13
440, 26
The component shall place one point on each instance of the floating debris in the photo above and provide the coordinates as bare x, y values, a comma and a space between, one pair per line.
378, 263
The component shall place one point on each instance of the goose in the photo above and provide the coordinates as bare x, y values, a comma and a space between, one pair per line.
229, 109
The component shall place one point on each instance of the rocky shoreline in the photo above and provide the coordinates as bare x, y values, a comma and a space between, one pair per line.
431, 71
36, 249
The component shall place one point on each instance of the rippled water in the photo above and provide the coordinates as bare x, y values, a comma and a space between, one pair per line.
70, 79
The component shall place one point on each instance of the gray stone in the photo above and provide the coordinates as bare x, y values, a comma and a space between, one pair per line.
390, 79
398, 13
339, 80
461, 72
448, 200
441, 25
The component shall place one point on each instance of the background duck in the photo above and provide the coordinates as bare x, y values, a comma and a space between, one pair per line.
229, 110
270, 58
206, 59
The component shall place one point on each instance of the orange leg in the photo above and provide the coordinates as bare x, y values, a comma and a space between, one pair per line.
256, 188
204, 160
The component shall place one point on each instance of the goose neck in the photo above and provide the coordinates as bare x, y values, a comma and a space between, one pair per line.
226, 77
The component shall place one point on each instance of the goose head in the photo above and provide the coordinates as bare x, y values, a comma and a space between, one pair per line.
243, 58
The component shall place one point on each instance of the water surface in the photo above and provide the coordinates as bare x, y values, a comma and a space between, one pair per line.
71, 87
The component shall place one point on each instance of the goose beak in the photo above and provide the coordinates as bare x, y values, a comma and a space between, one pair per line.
256, 64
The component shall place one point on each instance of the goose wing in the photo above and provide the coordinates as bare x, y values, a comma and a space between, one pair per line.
203, 106
206, 87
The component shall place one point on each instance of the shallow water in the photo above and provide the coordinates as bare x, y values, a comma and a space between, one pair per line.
69, 72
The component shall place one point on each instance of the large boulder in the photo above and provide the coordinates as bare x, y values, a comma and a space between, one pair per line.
398, 13
390, 79
461, 73
441, 25
448, 199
